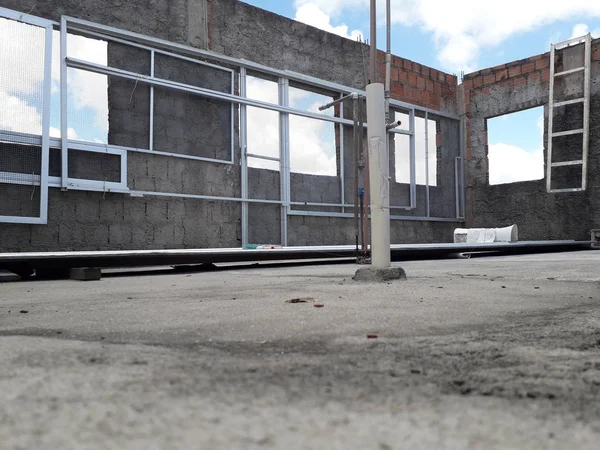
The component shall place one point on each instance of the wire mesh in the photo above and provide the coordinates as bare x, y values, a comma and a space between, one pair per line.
22, 58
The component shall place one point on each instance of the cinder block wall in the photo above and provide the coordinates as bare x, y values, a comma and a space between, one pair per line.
97, 221
513, 87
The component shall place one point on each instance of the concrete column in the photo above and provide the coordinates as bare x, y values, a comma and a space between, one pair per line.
379, 174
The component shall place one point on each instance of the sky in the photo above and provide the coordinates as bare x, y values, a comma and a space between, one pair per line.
460, 36
436, 33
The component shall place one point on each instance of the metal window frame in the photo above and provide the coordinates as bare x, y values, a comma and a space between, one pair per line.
48, 27
65, 64
181, 51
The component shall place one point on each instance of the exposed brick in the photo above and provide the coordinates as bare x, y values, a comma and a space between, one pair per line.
514, 71
478, 82
442, 77
518, 82
542, 63
546, 75
434, 101
596, 52
468, 85
486, 90
429, 85
433, 74
397, 90
533, 77
402, 76
437, 88
501, 75
426, 97
421, 82
498, 68
397, 61
407, 64
416, 67
425, 71
412, 79
450, 79
528, 67
394, 73
489, 79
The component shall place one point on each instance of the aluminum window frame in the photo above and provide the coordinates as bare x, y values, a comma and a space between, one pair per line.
44, 138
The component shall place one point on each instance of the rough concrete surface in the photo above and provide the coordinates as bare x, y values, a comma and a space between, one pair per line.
481, 353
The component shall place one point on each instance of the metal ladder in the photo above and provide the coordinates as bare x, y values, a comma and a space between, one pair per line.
585, 131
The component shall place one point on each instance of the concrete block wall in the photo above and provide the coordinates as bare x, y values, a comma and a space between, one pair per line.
97, 221
513, 87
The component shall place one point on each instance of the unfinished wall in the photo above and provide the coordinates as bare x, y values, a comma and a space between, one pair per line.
192, 125
513, 87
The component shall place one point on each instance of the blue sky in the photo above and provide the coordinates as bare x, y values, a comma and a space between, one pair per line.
441, 34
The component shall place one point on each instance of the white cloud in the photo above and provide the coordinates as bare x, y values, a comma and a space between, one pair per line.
22, 49
508, 164
312, 14
581, 29
312, 142
461, 30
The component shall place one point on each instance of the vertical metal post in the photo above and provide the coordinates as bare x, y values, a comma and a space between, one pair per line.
586, 110
373, 43
151, 137
64, 126
388, 62
550, 120
427, 164
46, 126
355, 152
412, 162
456, 188
243, 157
342, 171
284, 155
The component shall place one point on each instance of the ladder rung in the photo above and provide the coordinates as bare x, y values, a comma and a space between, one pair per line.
567, 163
569, 72
567, 133
552, 191
577, 40
569, 102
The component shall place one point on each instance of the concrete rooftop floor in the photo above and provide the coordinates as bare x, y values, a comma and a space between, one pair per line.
483, 353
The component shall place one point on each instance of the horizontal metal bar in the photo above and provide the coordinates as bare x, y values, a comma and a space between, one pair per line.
567, 163
153, 81
577, 40
26, 179
23, 220
351, 215
557, 191
568, 133
202, 197
291, 75
569, 102
569, 72
268, 158
26, 18
150, 49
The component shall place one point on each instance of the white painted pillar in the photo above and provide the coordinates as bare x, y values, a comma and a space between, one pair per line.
379, 174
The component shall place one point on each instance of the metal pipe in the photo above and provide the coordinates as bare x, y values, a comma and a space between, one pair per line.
388, 60
427, 164
336, 101
379, 168
355, 150
373, 43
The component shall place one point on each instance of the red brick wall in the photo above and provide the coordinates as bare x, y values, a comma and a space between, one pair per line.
420, 85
